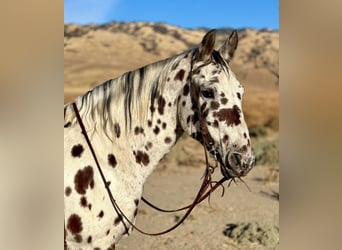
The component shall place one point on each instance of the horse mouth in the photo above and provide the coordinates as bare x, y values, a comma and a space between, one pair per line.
235, 165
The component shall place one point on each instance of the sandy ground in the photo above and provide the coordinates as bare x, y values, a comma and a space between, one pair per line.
173, 187
176, 181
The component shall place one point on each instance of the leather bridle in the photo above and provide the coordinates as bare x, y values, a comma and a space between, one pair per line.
203, 192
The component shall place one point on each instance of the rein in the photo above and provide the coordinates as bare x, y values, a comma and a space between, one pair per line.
202, 193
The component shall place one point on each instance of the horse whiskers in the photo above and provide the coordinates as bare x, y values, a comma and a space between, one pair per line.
245, 184
232, 179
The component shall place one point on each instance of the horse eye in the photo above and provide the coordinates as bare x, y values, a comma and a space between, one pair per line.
207, 93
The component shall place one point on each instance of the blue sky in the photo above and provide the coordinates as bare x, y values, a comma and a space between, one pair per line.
184, 13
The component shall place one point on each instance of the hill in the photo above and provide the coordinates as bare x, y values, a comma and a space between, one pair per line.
95, 53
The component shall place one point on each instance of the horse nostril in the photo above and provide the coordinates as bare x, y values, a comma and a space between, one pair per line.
233, 159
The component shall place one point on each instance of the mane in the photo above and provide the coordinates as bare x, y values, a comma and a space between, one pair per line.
127, 97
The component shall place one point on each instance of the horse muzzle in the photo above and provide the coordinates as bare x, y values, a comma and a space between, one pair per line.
237, 164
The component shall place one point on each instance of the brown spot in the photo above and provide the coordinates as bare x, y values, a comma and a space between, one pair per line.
161, 105
112, 247
186, 90
214, 105
84, 178
245, 135
97, 248
152, 108
149, 144
158, 121
89, 206
230, 116
244, 148
164, 125
156, 130
136, 202
74, 224
67, 191
248, 142
135, 212
117, 130
83, 201
149, 123
180, 75
168, 140
238, 95
100, 215
117, 220
188, 119
225, 139
89, 239
215, 124
224, 100
67, 125
169, 104
203, 106
111, 160
78, 238
222, 94
184, 103
142, 157
136, 130
77, 150
205, 113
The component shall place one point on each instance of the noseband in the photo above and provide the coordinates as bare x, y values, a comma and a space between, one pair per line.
203, 192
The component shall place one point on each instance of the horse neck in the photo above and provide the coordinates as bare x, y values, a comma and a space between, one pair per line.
139, 130
150, 140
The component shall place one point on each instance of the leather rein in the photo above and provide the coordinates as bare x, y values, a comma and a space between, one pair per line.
203, 192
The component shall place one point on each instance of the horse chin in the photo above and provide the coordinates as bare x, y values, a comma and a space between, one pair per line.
226, 169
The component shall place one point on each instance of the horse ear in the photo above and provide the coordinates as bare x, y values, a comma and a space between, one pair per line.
229, 46
207, 45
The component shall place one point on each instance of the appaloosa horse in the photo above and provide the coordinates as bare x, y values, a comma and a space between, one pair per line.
134, 120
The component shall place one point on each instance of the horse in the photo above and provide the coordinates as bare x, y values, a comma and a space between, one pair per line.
128, 124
